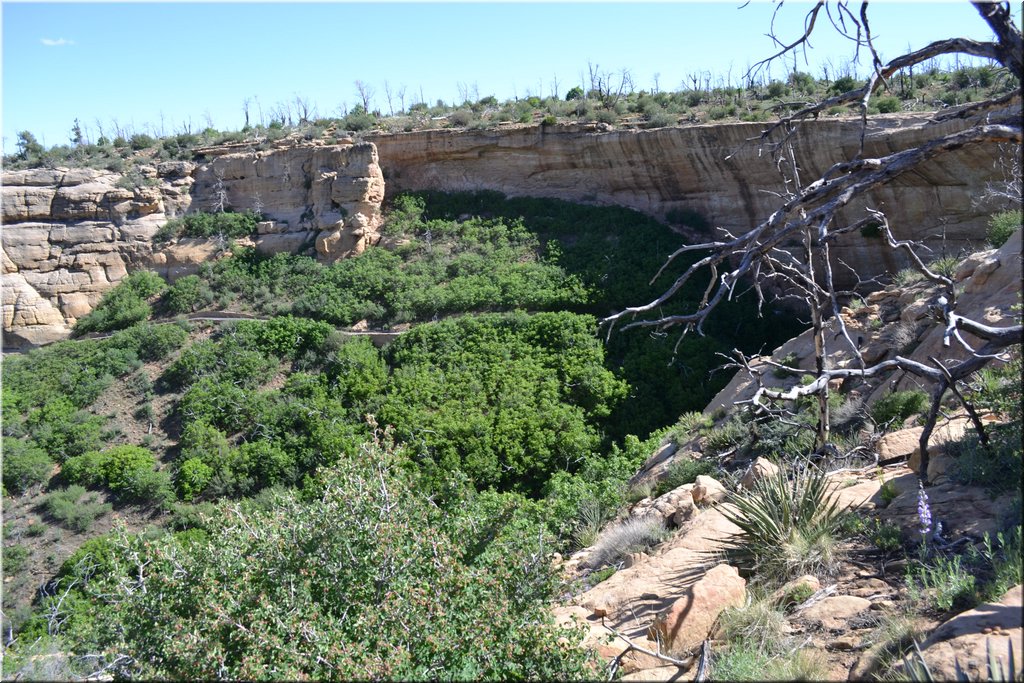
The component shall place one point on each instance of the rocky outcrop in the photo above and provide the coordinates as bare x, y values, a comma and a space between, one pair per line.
965, 641
716, 170
70, 235
688, 621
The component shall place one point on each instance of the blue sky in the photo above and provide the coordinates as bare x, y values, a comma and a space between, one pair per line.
157, 67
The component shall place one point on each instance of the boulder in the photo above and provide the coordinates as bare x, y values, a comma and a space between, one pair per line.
72, 233
758, 470
784, 595
953, 430
965, 639
900, 444
834, 612
708, 491
676, 506
689, 620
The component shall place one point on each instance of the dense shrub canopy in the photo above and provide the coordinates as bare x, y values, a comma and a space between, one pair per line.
385, 590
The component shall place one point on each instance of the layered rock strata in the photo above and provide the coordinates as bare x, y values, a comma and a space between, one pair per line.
718, 171
69, 235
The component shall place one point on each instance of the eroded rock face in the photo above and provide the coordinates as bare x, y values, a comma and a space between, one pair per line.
69, 235
711, 169
688, 621
967, 638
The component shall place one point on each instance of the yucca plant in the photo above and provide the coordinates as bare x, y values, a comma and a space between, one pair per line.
917, 670
787, 526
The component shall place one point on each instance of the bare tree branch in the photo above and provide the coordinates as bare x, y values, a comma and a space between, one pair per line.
791, 247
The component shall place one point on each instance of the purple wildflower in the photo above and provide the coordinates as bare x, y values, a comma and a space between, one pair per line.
924, 513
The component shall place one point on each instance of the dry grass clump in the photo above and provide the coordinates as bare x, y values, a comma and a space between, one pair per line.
631, 535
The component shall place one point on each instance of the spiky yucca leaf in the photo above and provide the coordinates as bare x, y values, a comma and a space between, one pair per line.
787, 525
918, 671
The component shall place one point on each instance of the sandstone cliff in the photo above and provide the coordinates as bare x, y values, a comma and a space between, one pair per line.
717, 170
70, 235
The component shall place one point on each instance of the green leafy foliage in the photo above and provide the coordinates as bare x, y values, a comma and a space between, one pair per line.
945, 584
25, 465
384, 568
15, 557
187, 294
62, 431
126, 470
124, 305
519, 253
688, 426
894, 408
506, 399
1001, 226
226, 224
682, 471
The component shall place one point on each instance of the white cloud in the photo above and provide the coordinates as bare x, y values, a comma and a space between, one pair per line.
50, 42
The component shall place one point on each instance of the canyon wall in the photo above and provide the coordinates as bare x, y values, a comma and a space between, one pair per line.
69, 235
716, 170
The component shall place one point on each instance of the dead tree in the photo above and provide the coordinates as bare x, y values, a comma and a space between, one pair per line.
366, 92
809, 216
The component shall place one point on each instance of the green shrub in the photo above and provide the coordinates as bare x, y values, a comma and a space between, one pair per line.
946, 585
62, 431
760, 622
74, 508
359, 120
790, 361
601, 575
187, 295
907, 276
282, 336
888, 492
151, 342
688, 426
787, 528
998, 468
25, 465
461, 118
683, 470
193, 476
945, 266
125, 470
888, 104
124, 305
843, 84
225, 224
1004, 562
14, 558
94, 556
730, 433
1001, 226
886, 536
896, 407
370, 578
141, 141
